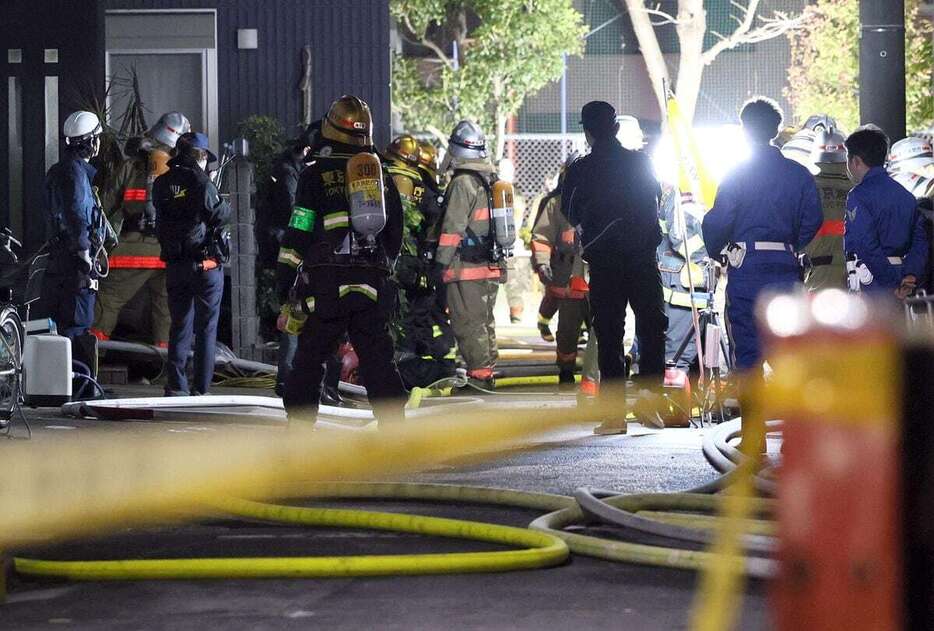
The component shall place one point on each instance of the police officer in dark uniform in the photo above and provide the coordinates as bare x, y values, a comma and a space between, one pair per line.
75, 228
190, 214
611, 196
335, 261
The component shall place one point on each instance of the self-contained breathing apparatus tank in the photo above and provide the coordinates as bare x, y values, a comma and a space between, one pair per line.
366, 195
502, 218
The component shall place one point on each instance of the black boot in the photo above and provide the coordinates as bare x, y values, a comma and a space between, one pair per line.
566, 379
330, 395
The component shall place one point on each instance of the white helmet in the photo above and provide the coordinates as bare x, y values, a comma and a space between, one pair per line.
800, 147
912, 154
169, 127
915, 184
81, 126
828, 147
630, 133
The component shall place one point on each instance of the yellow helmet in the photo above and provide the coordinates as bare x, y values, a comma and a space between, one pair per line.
428, 157
349, 121
404, 148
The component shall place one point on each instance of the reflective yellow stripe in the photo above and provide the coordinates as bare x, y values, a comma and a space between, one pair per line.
397, 169
310, 303
695, 243
436, 331
290, 257
682, 299
336, 220
367, 290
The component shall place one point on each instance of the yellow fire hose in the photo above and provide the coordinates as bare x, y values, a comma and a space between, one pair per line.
540, 550
546, 544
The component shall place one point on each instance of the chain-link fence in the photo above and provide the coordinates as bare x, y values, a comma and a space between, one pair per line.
612, 69
538, 157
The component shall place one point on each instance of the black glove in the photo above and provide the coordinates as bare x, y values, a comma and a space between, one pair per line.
84, 262
546, 274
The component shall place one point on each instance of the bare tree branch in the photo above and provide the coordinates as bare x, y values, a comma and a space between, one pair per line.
648, 43
427, 43
769, 28
667, 18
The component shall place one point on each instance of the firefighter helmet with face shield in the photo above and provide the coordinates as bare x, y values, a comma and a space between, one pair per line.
428, 157
349, 121
168, 128
819, 122
800, 148
467, 141
912, 155
405, 149
828, 148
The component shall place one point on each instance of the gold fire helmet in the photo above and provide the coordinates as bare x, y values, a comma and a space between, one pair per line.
349, 121
428, 157
405, 149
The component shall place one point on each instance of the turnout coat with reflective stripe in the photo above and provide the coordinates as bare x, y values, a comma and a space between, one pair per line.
555, 243
465, 228
826, 250
676, 285
124, 199
319, 233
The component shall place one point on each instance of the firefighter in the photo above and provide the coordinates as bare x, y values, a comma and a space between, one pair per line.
343, 237
766, 211
556, 257
425, 342
278, 198
825, 252
470, 268
190, 214
884, 231
127, 200
75, 229
611, 196
518, 266
674, 270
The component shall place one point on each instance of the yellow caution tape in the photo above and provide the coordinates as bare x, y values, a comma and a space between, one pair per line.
108, 479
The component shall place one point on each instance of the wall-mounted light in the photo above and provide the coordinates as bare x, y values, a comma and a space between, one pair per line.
247, 39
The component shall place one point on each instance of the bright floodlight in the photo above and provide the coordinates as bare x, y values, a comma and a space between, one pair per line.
837, 308
787, 315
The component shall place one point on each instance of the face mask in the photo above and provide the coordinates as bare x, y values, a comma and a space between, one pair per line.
203, 164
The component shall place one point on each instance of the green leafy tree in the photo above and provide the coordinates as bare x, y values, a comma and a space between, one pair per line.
824, 72
506, 50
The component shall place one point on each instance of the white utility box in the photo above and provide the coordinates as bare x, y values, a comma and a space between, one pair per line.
47, 370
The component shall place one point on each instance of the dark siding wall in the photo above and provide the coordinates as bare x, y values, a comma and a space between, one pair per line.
76, 30
350, 54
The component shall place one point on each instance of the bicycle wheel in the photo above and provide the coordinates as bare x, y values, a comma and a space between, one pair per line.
11, 362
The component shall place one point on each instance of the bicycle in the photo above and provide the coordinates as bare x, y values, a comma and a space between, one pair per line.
20, 286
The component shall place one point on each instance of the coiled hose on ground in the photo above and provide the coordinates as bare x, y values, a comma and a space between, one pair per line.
544, 548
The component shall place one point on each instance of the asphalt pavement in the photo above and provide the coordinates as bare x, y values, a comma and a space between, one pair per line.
584, 593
